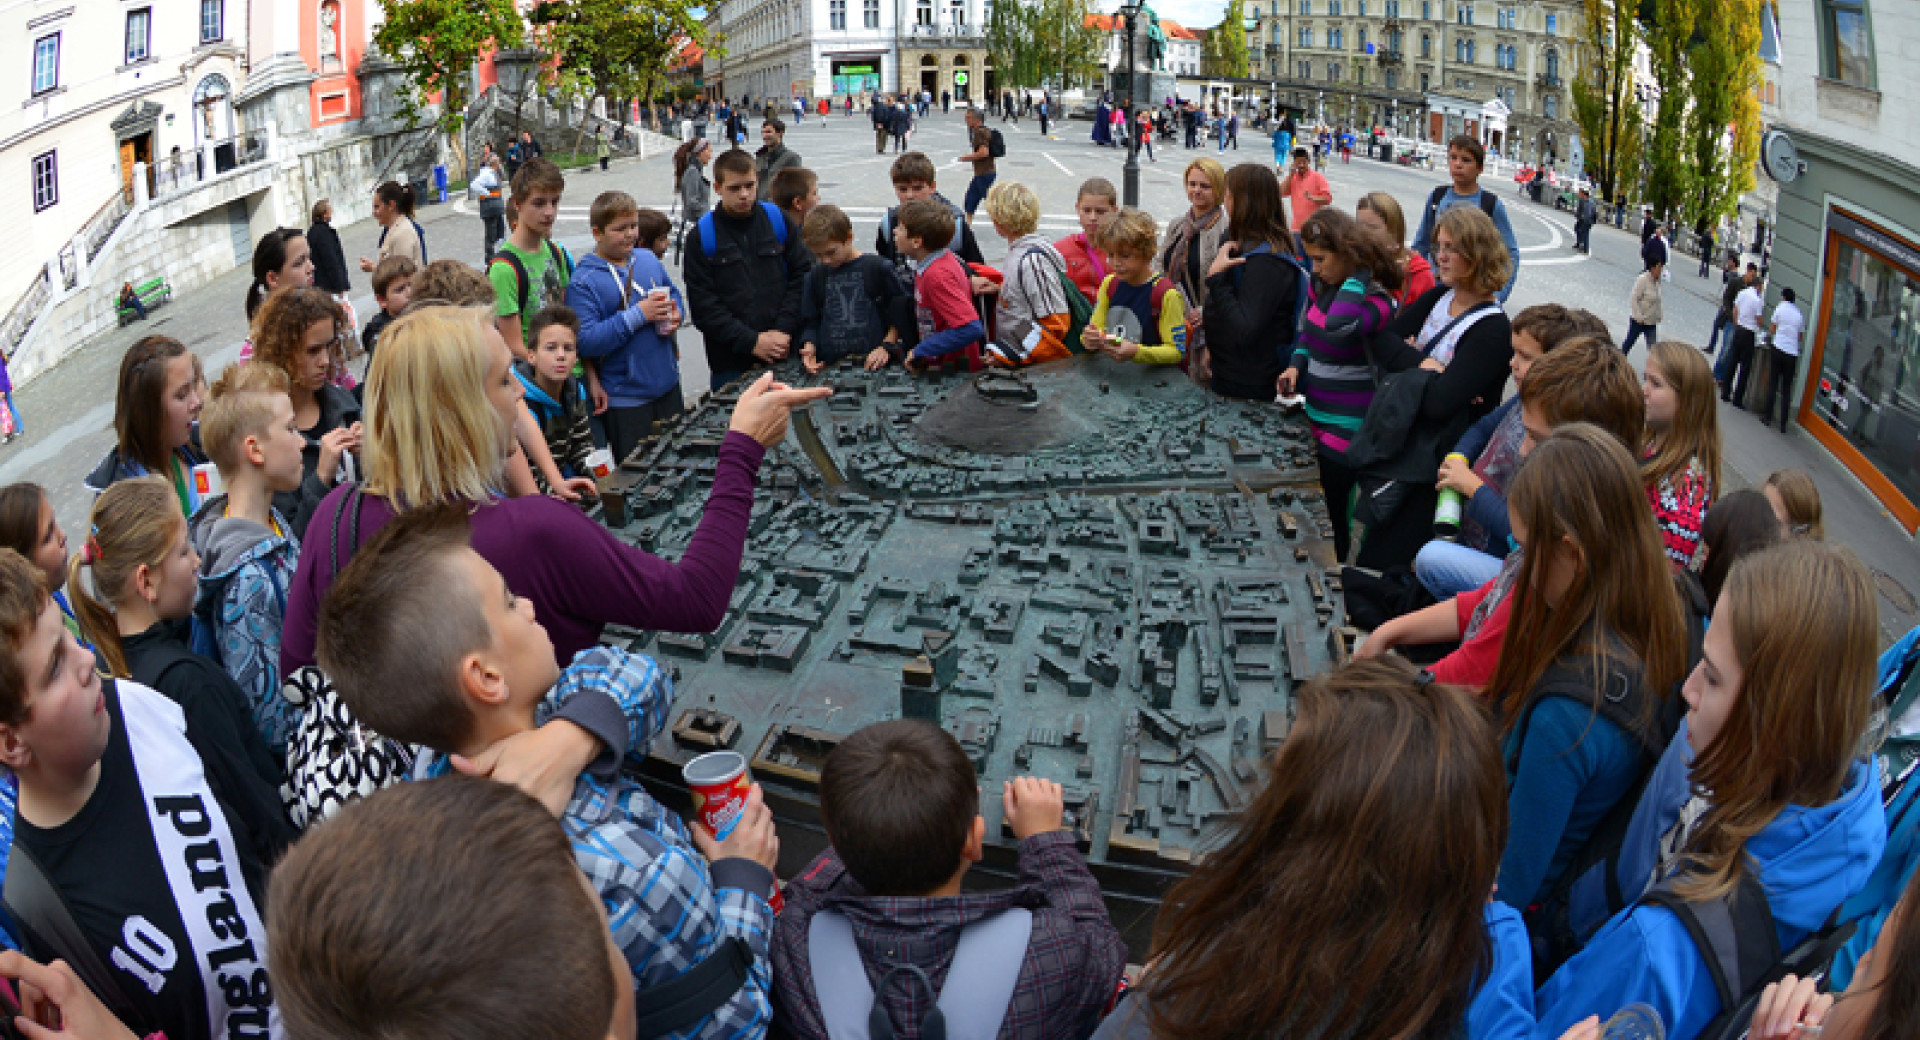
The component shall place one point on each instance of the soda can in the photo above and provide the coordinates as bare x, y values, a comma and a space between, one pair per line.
206, 483
600, 463
664, 326
719, 782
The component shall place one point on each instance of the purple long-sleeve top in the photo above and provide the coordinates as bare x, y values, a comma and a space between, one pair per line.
578, 575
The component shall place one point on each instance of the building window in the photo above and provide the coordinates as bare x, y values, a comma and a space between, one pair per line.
1550, 106
957, 13
1393, 80
1306, 6
1363, 8
1426, 9
46, 181
1393, 8
137, 34
1465, 14
1553, 24
1335, 38
1424, 86
1362, 45
837, 14
212, 20
46, 63
1426, 46
871, 13
1306, 36
923, 13
1306, 70
1847, 42
1333, 72
1333, 8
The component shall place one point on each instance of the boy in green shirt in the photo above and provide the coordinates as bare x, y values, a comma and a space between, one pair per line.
531, 270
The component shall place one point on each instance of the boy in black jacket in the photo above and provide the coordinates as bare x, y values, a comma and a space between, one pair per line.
849, 300
732, 257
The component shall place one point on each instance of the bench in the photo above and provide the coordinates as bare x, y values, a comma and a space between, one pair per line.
153, 292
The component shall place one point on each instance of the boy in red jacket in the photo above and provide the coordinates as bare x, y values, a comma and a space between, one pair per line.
950, 327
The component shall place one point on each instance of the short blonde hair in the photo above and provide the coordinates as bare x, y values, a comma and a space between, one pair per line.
239, 406
1478, 242
431, 434
1215, 173
1014, 207
1128, 232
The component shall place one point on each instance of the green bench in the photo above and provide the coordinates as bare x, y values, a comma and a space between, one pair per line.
153, 292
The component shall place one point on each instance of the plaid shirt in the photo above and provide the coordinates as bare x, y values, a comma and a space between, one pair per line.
1074, 957
668, 907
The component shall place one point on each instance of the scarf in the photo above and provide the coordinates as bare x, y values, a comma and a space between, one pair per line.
1184, 231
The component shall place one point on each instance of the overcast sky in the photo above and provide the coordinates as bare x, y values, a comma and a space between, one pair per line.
1198, 14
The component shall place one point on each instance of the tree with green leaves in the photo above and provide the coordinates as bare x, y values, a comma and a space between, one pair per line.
1726, 74
611, 49
1669, 36
435, 44
1224, 54
1044, 43
1603, 102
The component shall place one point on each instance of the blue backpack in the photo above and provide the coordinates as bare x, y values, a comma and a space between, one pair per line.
779, 220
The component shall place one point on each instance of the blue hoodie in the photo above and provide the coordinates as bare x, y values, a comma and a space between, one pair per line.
637, 364
1810, 860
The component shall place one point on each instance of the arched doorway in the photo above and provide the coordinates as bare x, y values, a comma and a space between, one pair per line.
212, 110
962, 78
930, 74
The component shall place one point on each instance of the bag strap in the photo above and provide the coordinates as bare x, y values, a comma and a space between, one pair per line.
840, 983
1462, 321
680, 1003
350, 503
39, 912
986, 967
1734, 934
512, 260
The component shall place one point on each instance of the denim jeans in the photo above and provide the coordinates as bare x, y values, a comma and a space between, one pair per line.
1448, 568
1636, 331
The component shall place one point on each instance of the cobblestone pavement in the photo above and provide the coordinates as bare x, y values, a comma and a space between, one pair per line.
69, 410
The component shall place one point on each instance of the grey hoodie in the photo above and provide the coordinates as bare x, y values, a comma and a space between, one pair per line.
245, 571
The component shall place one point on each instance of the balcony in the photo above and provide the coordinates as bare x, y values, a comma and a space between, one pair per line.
1389, 59
1273, 50
946, 36
1392, 25
1547, 81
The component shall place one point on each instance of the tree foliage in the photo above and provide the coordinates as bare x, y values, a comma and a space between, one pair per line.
1603, 91
1726, 75
435, 44
1669, 174
1225, 52
611, 49
1043, 43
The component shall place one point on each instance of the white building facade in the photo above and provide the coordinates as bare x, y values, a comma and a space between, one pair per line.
775, 49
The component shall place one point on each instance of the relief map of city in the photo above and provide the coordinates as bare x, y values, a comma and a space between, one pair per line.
1089, 571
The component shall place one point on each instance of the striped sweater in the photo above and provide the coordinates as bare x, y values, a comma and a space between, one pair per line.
1331, 354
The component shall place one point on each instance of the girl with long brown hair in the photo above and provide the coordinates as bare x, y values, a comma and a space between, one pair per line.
132, 582
1779, 792
1595, 635
28, 527
1681, 458
1340, 907
156, 411
299, 331
1254, 290
1379, 212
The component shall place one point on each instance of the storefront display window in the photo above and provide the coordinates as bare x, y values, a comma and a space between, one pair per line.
1869, 377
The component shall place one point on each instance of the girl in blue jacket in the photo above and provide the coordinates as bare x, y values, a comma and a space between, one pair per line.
1775, 714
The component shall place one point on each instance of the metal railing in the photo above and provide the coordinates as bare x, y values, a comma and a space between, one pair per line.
101, 226
184, 171
1547, 80
13, 328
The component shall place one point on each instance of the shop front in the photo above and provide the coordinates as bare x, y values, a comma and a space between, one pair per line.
857, 76
1863, 401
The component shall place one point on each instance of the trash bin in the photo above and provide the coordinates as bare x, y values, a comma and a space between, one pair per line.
440, 182
1386, 151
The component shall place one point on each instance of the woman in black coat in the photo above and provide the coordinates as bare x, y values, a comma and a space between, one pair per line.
329, 260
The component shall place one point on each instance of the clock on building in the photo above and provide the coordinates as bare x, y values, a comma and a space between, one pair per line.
1779, 157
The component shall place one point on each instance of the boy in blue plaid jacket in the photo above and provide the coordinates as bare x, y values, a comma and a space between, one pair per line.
428, 646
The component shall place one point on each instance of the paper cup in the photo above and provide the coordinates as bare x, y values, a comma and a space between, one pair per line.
600, 463
207, 482
719, 781
665, 326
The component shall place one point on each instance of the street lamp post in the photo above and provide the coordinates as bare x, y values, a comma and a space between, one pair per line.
1130, 173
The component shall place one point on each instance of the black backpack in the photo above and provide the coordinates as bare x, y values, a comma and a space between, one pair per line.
1488, 202
996, 145
1736, 936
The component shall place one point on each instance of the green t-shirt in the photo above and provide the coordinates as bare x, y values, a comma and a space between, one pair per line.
546, 282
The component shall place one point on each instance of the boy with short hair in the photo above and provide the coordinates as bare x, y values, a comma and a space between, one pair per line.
345, 965
154, 836
393, 289
733, 257
901, 807
914, 178
1491, 453
617, 292
1031, 316
558, 402
531, 270
950, 329
1138, 316
796, 190
248, 553
848, 299
1466, 158
426, 645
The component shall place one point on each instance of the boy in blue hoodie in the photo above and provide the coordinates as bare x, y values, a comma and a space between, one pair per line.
247, 549
625, 300
676, 897
554, 395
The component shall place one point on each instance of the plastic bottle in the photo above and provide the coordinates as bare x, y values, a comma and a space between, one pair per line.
1446, 513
